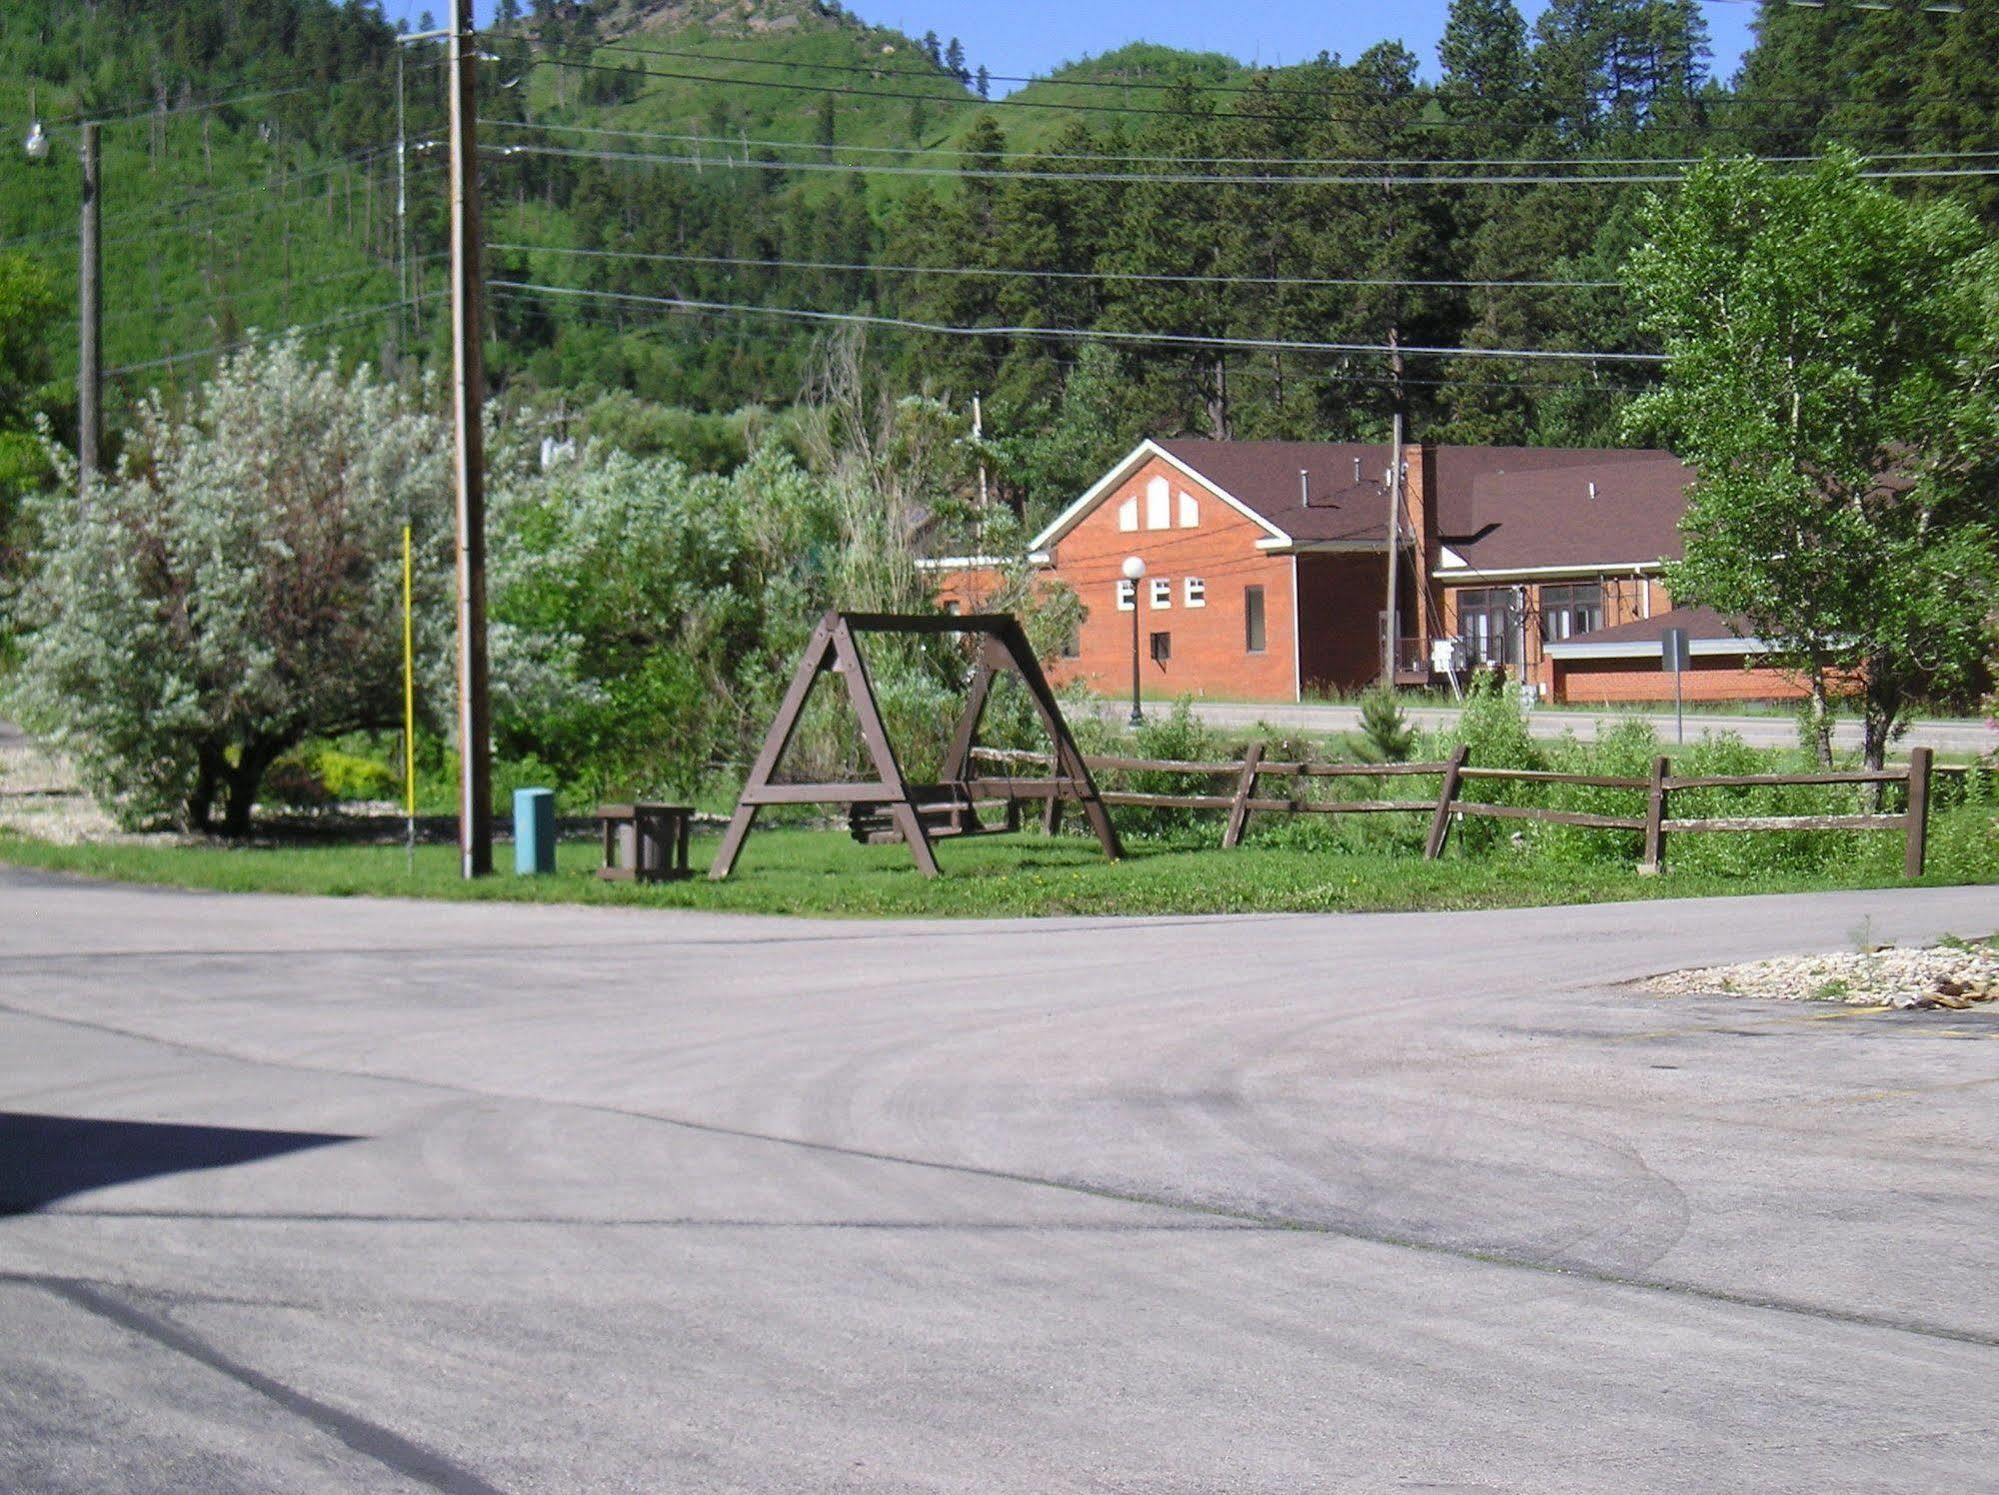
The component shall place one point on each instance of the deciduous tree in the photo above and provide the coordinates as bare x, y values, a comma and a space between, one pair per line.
1833, 379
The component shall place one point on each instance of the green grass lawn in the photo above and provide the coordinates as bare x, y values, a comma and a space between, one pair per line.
824, 873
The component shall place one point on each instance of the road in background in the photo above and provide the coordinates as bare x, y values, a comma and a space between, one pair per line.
353, 1194
1946, 735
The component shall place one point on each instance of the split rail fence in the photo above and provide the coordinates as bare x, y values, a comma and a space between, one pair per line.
1456, 776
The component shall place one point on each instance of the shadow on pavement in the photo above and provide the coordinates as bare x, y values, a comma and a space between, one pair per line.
46, 1158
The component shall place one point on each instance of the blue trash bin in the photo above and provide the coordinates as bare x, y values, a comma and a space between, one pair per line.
534, 832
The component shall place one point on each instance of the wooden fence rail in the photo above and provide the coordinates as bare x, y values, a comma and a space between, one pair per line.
1654, 823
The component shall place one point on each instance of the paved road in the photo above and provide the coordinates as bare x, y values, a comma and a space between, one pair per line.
366, 1195
1945, 735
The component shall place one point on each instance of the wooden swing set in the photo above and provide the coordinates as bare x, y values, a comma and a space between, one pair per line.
889, 804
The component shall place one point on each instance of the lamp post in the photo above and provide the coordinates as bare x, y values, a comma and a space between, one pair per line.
89, 358
1134, 572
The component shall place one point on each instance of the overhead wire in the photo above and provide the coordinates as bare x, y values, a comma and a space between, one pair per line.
1176, 339
1413, 122
1016, 273
1056, 154
1184, 179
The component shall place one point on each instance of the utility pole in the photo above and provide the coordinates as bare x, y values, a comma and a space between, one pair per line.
89, 321
468, 393
1389, 641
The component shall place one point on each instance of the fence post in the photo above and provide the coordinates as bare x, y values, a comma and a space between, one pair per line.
1917, 845
1654, 860
1245, 786
1440, 823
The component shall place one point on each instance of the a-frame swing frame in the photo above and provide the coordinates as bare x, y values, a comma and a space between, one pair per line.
1003, 647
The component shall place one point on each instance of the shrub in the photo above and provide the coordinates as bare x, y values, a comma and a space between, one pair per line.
235, 588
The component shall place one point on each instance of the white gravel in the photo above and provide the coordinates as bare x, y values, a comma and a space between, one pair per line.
1956, 975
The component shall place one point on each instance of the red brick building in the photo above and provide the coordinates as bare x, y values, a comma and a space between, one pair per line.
1266, 571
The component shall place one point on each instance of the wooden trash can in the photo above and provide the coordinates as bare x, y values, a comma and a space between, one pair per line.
645, 842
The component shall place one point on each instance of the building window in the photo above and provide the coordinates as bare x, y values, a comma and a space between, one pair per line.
1190, 512
1162, 591
951, 607
1197, 592
1162, 647
1072, 644
1571, 610
1127, 595
1252, 619
1158, 505
1127, 514
1486, 618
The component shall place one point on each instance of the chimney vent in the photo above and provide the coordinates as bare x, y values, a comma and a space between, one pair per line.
1592, 490
1356, 469
1304, 488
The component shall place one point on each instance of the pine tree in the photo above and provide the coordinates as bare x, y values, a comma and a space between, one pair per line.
933, 49
985, 83
954, 61
1484, 59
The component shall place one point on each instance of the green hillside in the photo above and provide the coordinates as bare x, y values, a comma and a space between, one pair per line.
780, 158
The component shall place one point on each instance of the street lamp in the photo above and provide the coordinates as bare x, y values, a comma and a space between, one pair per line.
1134, 572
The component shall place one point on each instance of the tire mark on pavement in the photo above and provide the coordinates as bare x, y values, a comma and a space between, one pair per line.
369, 1439
1352, 1231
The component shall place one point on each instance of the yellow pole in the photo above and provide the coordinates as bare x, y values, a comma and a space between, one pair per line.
409, 700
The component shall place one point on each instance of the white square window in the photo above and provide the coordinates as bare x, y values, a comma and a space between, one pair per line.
1190, 512
1197, 592
1162, 592
1127, 514
1158, 505
1127, 595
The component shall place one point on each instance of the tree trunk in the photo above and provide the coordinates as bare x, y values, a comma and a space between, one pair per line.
1881, 704
1819, 718
199, 810
243, 779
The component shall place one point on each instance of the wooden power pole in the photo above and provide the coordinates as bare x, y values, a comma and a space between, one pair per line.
1390, 643
89, 320
468, 394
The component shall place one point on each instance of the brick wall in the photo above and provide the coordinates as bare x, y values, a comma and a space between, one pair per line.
1340, 598
1209, 657
1709, 677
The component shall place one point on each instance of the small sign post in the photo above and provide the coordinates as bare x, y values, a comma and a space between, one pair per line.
1673, 655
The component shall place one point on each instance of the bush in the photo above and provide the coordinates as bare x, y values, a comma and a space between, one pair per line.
235, 588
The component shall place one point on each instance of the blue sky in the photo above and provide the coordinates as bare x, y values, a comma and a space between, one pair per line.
1026, 37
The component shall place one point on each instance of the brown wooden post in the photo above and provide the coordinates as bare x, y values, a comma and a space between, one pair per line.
1917, 844
1245, 789
902, 810
818, 655
1653, 862
1440, 823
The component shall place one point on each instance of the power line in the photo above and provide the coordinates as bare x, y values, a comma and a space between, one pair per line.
931, 152
1084, 334
1259, 84
1025, 274
1596, 379
248, 338
1414, 122
1183, 179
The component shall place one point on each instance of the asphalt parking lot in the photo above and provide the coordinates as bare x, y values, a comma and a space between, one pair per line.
315, 1194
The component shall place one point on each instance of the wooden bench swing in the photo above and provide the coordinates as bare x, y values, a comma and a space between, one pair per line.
889, 807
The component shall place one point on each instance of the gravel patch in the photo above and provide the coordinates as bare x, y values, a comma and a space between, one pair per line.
1957, 976
39, 796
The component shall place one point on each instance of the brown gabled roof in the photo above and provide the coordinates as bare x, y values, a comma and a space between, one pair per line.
1708, 632
1513, 508
1264, 475
1499, 508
